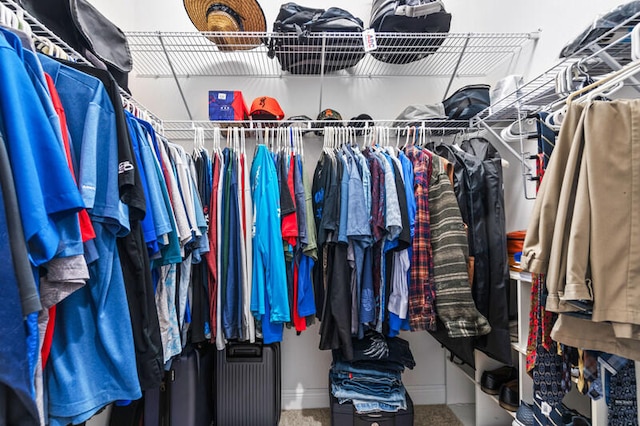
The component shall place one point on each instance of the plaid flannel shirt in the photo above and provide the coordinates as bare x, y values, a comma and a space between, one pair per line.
422, 294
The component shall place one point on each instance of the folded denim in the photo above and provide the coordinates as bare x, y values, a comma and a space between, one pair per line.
396, 398
391, 366
364, 371
340, 375
375, 406
350, 378
376, 390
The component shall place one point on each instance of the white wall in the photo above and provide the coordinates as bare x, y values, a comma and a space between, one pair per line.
304, 366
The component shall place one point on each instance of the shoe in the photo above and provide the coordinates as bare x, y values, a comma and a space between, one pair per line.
562, 415
580, 421
524, 415
510, 396
492, 381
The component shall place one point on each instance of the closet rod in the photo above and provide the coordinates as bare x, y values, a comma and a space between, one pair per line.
400, 125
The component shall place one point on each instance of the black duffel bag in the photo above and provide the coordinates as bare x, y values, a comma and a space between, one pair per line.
408, 16
300, 47
602, 25
467, 101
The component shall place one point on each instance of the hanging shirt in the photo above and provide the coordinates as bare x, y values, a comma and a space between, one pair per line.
148, 225
15, 374
129, 184
232, 285
48, 201
170, 250
158, 209
95, 318
180, 214
269, 301
32, 144
344, 198
212, 255
421, 289
246, 209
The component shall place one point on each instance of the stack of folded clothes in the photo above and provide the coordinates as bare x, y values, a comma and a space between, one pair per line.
372, 379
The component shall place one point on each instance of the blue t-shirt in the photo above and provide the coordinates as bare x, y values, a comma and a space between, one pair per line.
92, 361
45, 198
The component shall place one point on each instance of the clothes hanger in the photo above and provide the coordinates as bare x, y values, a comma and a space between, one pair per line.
216, 140
8, 18
609, 82
635, 42
198, 141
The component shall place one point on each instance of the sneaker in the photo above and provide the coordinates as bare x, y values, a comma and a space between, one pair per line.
524, 415
565, 416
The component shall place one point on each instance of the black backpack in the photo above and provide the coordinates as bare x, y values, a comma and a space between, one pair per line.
299, 48
408, 16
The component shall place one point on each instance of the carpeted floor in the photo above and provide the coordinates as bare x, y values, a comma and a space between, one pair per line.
435, 415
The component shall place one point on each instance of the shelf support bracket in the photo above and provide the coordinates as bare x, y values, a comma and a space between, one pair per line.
611, 62
455, 69
322, 56
175, 77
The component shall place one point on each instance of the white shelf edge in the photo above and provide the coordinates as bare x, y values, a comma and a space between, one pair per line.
497, 401
520, 276
520, 349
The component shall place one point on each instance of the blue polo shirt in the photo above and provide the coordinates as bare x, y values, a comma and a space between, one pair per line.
92, 126
92, 361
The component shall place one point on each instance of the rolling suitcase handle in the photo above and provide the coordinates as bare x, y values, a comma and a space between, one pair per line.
240, 352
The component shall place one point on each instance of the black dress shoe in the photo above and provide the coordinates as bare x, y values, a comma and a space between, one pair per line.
492, 381
510, 396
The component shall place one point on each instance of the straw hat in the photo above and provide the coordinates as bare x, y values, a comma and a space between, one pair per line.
228, 16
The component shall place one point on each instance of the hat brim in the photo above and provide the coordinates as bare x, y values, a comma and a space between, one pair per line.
251, 15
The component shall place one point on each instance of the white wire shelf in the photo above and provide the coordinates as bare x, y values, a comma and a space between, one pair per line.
609, 52
185, 130
188, 54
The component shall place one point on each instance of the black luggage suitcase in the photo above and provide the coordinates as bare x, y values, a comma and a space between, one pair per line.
247, 384
185, 395
346, 415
